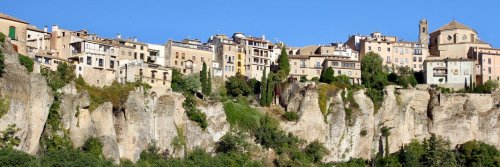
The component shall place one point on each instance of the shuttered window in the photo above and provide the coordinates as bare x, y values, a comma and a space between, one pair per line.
12, 32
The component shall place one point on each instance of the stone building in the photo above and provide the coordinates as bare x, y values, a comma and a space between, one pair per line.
454, 73
309, 61
95, 60
188, 55
158, 77
156, 54
37, 41
229, 57
487, 64
454, 40
16, 30
257, 54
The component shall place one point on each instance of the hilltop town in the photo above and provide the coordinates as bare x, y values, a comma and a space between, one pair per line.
74, 98
451, 56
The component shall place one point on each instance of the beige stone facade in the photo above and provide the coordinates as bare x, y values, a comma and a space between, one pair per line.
487, 64
158, 77
95, 61
257, 54
188, 55
229, 57
394, 53
454, 40
16, 30
37, 41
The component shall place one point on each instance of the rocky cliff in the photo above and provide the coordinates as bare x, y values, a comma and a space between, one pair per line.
145, 119
408, 113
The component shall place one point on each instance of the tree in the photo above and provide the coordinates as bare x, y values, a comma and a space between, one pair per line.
475, 153
209, 83
437, 153
284, 64
204, 80
263, 89
192, 83
411, 154
237, 85
372, 71
327, 75
93, 146
270, 89
178, 81
2, 63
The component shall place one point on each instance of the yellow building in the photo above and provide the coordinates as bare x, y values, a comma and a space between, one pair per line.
16, 30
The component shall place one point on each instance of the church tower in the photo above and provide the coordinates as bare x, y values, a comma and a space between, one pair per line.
423, 37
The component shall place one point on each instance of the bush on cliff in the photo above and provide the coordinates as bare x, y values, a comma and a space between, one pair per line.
26, 62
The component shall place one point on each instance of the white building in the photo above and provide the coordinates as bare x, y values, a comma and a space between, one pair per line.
454, 73
157, 54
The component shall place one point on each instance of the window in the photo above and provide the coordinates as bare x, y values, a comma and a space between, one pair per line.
101, 63
388, 60
388, 49
142, 56
81, 60
419, 59
489, 70
369, 48
335, 63
339, 72
111, 64
349, 73
12, 32
203, 59
489, 60
414, 58
379, 49
302, 64
63, 34
135, 55
175, 62
318, 64
89, 60
176, 55
142, 47
183, 55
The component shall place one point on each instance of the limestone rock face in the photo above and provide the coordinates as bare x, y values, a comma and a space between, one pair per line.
28, 98
144, 121
408, 113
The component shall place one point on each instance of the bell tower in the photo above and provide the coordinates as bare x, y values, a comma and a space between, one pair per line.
423, 37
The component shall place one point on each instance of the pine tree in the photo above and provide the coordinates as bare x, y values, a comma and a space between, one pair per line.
270, 89
263, 89
284, 64
327, 75
203, 79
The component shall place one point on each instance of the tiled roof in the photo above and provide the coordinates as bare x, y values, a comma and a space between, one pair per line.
7, 17
454, 25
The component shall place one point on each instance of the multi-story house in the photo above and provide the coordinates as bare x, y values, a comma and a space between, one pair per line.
16, 30
257, 54
454, 73
156, 54
158, 77
188, 55
95, 60
309, 61
133, 49
229, 56
395, 53
487, 64
37, 41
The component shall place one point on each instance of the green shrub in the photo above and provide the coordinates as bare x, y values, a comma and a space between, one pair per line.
242, 116
474, 153
93, 146
70, 157
325, 91
26, 62
291, 116
12, 157
4, 106
238, 85
2, 38
232, 142
2, 63
115, 93
8, 138
303, 78
193, 113
316, 151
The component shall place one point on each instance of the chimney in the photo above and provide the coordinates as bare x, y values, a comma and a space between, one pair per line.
45, 29
135, 39
263, 37
55, 28
118, 36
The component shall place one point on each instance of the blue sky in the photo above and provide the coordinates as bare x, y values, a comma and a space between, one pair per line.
295, 22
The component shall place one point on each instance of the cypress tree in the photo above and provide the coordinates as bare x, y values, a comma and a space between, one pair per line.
203, 79
263, 89
270, 89
284, 64
209, 83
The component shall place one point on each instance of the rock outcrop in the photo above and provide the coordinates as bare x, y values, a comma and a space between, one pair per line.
145, 120
408, 113
28, 98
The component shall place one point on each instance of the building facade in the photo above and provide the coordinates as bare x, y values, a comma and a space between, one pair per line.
188, 56
229, 57
16, 30
158, 77
487, 64
454, 73
454, 40
257, 54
